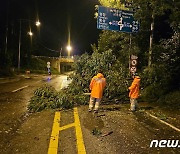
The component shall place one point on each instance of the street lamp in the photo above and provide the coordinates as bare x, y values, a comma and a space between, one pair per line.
38, 23
29, 33
69, 48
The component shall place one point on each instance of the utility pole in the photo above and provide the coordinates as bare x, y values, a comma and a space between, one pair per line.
151, 42
130, 44
7, 23
19, 55
60, 53
29, 33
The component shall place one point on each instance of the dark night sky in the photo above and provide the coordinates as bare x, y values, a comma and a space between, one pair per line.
55, 15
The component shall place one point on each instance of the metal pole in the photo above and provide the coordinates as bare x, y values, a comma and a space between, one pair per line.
151, 42
60, 53
7, 22
6, 40
130, 42
60, 56
19, 55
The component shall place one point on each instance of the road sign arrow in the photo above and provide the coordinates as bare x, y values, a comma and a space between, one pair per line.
121, 26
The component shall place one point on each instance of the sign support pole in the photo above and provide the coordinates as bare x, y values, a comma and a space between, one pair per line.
130, 43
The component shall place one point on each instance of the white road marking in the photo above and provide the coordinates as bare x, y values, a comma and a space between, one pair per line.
173, 127
20, 89
38, 81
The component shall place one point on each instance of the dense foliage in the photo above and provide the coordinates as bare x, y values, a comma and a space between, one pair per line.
87, 66
111, 55
47, 97
162, 76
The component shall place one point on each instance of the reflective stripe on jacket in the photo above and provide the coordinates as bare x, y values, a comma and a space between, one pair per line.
134, 88
97, 85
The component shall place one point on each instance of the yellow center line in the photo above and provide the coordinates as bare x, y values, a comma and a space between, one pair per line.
66, 126
80, 142
53, 145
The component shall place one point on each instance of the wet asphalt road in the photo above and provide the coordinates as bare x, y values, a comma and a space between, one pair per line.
13, 104
118, 131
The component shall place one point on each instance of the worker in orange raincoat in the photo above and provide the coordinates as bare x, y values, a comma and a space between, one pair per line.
134, 92
96, 86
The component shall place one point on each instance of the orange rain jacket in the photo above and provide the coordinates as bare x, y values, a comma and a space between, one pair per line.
134, 88
97, 85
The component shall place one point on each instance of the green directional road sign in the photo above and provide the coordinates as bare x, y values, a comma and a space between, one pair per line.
117, 20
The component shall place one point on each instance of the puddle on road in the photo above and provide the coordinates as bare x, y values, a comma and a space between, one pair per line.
4, 97
111, 108
146, 108
92, 121
145, 120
